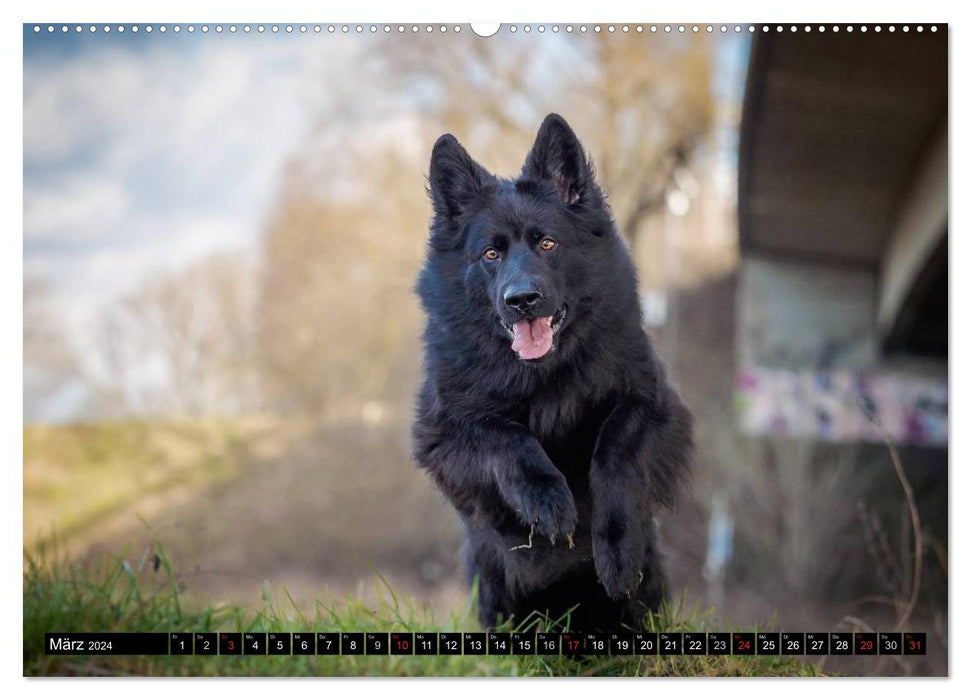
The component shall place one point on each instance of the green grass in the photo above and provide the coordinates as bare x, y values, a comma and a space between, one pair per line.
143, 595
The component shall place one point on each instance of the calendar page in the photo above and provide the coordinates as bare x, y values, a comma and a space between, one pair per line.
494, 349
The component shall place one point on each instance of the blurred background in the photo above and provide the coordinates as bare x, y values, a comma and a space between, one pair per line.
221, 341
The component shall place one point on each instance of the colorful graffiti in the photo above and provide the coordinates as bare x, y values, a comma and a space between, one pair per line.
842, 406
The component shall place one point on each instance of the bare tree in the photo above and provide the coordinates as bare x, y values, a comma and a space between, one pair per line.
182, 343
338, 322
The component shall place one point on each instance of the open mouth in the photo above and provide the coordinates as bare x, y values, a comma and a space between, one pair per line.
533, 338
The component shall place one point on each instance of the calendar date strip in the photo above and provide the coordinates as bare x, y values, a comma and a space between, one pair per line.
485, 643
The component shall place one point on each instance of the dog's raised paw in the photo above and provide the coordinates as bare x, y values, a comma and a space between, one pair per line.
550, 510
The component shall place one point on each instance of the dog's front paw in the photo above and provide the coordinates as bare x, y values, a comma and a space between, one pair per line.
617, 555
547, 505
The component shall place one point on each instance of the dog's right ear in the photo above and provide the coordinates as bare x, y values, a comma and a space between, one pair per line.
454, 179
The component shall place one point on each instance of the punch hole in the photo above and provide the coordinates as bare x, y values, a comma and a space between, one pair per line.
485, 29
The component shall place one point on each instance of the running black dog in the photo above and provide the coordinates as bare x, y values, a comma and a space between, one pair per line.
545, 416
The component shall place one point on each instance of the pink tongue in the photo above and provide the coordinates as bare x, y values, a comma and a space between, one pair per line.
533, 339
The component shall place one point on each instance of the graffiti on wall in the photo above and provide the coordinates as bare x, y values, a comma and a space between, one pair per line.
842, 405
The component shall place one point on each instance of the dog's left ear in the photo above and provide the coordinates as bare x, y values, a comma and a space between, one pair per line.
558, 157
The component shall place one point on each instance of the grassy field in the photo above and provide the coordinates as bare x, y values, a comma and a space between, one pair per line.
143, 595
315, 508
79, 478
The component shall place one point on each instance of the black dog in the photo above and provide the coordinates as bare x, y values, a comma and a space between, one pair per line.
545, 416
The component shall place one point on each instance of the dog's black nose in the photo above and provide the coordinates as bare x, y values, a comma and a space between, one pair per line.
523, 299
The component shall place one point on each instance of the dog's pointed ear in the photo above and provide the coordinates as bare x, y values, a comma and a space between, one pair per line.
558, 157
454, 179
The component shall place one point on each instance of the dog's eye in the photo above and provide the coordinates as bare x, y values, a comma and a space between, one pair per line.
491, 254
547, 243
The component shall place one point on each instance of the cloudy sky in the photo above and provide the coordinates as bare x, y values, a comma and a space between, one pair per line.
143, 152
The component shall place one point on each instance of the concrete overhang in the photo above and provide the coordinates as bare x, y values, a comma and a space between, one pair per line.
843, 163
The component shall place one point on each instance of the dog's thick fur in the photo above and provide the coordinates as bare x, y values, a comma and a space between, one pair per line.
572, 451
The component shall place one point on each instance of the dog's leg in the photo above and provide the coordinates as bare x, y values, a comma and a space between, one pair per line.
642, 449
485, 569
471, 463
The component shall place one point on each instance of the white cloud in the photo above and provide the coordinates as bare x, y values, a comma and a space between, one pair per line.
74, 208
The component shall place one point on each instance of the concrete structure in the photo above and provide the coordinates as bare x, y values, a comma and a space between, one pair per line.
843, 229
